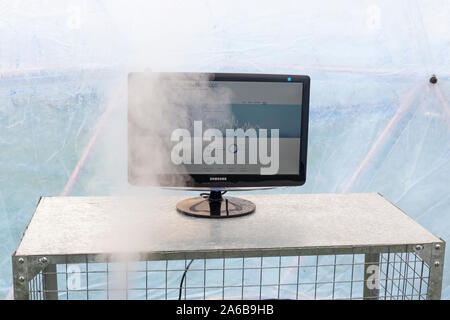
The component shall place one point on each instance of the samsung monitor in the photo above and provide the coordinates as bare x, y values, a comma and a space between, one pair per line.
217, 132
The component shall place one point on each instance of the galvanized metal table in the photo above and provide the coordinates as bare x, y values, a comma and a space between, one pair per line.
390, 256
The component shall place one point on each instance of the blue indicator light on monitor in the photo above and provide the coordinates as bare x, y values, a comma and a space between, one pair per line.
289, 79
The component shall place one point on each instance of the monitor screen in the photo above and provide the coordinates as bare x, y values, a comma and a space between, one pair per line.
217, 130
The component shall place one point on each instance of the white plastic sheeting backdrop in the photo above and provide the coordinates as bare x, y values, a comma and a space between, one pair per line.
377, 124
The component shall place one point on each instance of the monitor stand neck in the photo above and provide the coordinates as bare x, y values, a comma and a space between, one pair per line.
214, 205
215, 201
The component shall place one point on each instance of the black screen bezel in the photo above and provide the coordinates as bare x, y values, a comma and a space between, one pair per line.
203, 181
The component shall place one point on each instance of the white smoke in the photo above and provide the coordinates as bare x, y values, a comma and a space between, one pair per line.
127, 140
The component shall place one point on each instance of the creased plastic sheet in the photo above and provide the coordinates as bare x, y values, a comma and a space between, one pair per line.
376, 122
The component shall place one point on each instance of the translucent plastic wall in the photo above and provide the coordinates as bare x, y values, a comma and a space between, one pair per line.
377, 124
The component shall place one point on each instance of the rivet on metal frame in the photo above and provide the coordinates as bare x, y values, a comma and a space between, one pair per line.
436, 264
44, 260
21, 279
437, 246
21, 260
419, 247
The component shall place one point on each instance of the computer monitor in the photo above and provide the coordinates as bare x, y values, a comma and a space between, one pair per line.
217, 132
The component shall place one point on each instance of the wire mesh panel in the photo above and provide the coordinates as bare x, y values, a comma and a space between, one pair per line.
331, 276
403, 276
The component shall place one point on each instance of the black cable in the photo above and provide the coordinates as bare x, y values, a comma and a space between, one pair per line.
182, 278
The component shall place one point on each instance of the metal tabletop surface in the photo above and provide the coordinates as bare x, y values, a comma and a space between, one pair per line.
96, 225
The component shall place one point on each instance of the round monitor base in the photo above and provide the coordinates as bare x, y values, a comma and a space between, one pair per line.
228, 207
